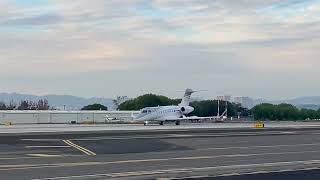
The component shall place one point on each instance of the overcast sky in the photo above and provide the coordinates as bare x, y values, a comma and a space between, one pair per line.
258, 48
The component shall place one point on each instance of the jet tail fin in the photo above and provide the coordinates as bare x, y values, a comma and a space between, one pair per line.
186, 98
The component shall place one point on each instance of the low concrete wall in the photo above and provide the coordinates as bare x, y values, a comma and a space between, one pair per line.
43, 117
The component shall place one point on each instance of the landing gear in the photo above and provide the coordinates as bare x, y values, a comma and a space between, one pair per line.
145, 123
161, 123
177, 123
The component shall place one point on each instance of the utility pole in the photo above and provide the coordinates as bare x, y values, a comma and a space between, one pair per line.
227, 109
218, 109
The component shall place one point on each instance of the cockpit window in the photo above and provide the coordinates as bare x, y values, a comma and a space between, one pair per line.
144, 111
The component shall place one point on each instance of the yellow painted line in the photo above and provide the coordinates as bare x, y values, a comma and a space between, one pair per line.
45, 155
87, 150
80, 148
72, 145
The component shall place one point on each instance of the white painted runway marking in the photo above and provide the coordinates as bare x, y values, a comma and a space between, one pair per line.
48, 146
40, 139
45, 155
313, 162
289, 132
270, 146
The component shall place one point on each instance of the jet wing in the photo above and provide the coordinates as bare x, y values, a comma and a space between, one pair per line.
198, 118
192, 118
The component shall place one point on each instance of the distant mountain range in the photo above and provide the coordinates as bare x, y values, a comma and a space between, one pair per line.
76, 103
305, 100
58, 101
308, 102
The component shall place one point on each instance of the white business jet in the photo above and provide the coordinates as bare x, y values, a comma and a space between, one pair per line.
175, 113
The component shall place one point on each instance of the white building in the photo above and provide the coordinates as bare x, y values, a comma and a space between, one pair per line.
246, 102
224, 98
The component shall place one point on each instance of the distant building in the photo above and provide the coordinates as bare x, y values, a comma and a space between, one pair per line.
246, 102
224, 98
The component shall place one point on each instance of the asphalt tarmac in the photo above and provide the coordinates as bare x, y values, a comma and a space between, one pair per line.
73, 128
181, 153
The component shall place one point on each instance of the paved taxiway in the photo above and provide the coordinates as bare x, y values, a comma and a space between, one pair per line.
158, 153
38, 128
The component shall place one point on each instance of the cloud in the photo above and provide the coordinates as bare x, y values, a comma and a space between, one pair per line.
202, 39
298, 11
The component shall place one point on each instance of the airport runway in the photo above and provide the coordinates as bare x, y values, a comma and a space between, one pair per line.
179, 153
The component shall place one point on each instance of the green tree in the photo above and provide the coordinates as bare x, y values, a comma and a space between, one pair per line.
3, 106
286, 112
202, 108
264, 111
147, 100
283, 112
12, 105
24, 105
210, 108
42, 104
95, 107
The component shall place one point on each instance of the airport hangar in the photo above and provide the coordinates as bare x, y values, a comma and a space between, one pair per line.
63, 117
